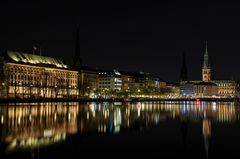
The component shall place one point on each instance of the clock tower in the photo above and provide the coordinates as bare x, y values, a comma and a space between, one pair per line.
206, 69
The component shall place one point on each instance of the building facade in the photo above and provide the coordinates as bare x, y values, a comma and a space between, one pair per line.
110, 80
187, 89
88, 79
205, 89
174, 88
128, 81
227, 88
146, 80
198, 89
32, 76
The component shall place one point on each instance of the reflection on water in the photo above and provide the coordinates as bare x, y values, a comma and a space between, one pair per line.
32, 125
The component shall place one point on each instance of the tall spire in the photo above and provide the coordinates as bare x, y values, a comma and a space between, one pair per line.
184, 72
205, 63
77, 61
206, 69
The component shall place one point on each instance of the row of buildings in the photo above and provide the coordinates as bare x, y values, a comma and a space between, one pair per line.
29, 75
24, 75
207, 87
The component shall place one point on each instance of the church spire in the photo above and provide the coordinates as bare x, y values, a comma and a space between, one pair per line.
77, 61
206, 63
206, 70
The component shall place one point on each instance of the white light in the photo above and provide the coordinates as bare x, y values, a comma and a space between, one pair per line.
139, 112
69, 116
2, 119
87, 115
19, 120
117, 129
47, 133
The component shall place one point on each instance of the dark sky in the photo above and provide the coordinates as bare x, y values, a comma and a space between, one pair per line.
145, 36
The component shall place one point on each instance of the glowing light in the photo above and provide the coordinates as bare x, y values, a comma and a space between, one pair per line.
2, 119
117, 129
19, 120
69, 116
139, 112
47, 133
87, 115
214, 106
198, 102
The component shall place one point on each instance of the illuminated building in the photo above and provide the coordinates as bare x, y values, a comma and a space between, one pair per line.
206, 70
24, 75
110, 80
173, 87
187, 89
139, 80
198, 89
227, 88
32, 76
146, 80
205, 89
88, 79
208, 87
128, 80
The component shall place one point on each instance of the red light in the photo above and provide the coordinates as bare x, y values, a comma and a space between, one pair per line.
197, 102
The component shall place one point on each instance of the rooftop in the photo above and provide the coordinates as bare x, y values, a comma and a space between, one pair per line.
26, 58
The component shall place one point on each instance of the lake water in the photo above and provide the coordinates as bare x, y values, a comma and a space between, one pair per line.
108, 130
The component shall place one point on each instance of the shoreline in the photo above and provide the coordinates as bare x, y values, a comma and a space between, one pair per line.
43, 100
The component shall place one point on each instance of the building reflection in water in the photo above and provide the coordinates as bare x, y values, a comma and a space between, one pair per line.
206, 131
33, 125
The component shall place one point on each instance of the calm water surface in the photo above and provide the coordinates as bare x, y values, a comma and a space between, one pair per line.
106, 130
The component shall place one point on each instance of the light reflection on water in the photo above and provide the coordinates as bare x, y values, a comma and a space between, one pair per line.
32, 125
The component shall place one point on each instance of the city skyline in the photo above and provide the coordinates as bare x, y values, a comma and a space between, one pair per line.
144, 37
108, 79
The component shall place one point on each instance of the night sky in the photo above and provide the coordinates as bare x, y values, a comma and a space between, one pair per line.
146, 36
